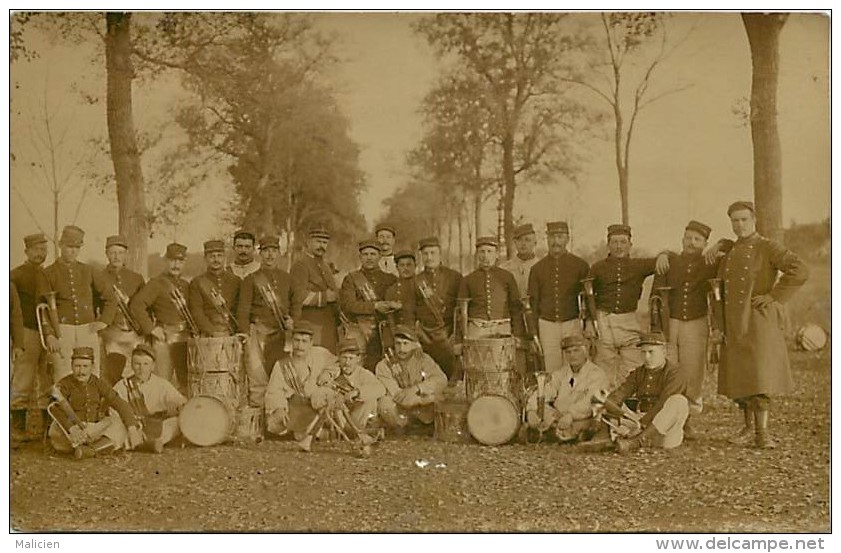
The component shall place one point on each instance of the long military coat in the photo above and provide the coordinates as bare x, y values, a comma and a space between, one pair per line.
754, 357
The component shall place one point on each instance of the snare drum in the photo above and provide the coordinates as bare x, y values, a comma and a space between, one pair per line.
250, 424
214, 355
451, 421
493, 420
206, 421
223, 386
489, 368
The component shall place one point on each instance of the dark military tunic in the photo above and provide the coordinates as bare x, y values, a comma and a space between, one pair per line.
154, 299
90, 401
32, 287
444, 283
651, 387
360, 310
252, 308
618, 282
554, 284
210, 320
311, 279
15, 317
76, 293
127, 281
754, 358
405, 290
688, 277
493, 295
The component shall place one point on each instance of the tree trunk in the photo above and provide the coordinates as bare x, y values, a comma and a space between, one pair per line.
461, 210
763, 32
477, 214
125, 155
621, 165
509, 189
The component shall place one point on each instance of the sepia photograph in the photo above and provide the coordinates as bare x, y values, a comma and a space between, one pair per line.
420, 272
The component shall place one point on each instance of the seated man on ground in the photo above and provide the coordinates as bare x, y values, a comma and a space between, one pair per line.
412, 381
567, 408
293, 382
82, 421
154, 399
658, 388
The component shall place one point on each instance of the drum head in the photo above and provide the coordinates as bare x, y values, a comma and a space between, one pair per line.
493, 420
205, 421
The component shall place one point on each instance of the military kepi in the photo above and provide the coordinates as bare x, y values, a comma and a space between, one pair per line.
82, 353
403, 253
116, 240
303, 327
405, 331
72, 235
573, 340
176, 251
487, 241
369, 244
699, 227
737, 206
270, 241
557, 227
652, 339
212, 246
319, 232
523, 230
348, 345
385, 226
32, 240
429, 242
144, 349
618, 229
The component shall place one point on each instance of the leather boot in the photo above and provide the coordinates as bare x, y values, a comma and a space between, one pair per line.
647, 438
18, 432
305, 444
763, 440
689, 432
746, 434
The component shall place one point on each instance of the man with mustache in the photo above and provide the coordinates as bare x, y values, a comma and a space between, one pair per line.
314, 293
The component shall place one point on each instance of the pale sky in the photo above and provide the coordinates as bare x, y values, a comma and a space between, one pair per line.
690, 157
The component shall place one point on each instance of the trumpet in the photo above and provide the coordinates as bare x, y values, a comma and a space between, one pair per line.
47, 313
658, 307
122, 303
270, 298
587, 297
221, 307
715, 325
429, 300
181, 305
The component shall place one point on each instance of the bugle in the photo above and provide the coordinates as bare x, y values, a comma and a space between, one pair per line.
715, 326
46, 313
659, 311
184, 310
270, 298
222, 308
123, 305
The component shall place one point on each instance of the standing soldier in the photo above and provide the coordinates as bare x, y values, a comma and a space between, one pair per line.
386, 234
244, 263
494, 307
169, 330
76, 292
617, 285
214, 294
404, 291
438, 289
314, 293
263, 314
30, 377
754, 359
119, 338
362, 300
554, 285
687, 286
520, 265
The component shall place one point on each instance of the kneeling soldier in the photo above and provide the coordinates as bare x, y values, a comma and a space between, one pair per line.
412, 382
83, 423
567, 408
659, 389
154, 399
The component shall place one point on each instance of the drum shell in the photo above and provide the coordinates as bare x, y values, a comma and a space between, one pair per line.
493, 420
217, 354
222, 386
207, 421
489, 354
451, 422
250, 424
483, 383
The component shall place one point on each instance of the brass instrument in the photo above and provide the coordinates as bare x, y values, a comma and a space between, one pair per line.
123, 305
184, 310
221, 307
270, 298
47, 313
628, 423
429, 300
72, 418
658, 307
535, 347
588, 297
715, 326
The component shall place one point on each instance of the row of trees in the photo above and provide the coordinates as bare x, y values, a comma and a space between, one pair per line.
259, 102
521, 93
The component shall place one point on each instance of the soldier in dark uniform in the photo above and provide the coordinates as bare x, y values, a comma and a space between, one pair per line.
362, 300
119, 339
618, 287
214, 294
257, 319
77, 291
386, 234
494, 307
314, 294
436, 301
554, 285
687, 280
168, 331
404, 291
760, 276
31, 381
83, 412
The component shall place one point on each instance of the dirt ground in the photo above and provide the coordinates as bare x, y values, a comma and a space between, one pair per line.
706, 485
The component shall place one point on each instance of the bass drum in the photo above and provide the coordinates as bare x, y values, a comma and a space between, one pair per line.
206, 421
493, 420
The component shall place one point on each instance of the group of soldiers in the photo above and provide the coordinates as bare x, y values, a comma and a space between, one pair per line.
381, 347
